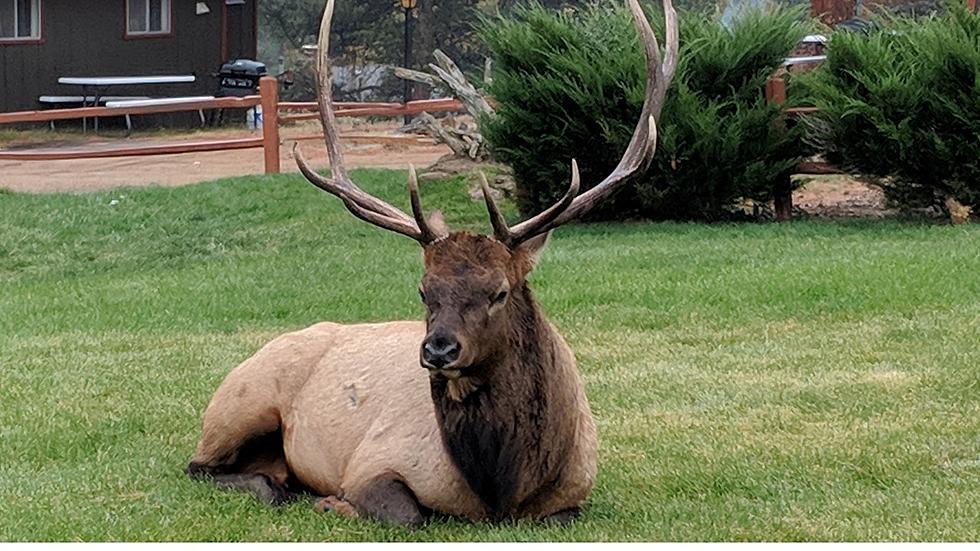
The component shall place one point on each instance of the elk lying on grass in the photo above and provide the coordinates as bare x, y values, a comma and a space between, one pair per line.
496, 425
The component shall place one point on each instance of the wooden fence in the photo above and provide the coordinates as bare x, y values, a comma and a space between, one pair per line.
783, 192
270, 142
275, 112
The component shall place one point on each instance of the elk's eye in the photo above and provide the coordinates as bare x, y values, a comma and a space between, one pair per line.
499, 297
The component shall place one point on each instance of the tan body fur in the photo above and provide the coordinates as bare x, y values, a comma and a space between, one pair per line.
355, 406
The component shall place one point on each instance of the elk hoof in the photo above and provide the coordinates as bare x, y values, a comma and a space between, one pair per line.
335, 504
563, 518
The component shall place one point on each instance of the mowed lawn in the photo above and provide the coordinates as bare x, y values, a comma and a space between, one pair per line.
804, 381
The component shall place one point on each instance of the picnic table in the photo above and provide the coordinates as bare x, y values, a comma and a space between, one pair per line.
818, 40
100, 85
804, 60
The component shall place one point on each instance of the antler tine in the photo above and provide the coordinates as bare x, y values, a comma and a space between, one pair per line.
324, 95
427, 234
334, 187
500, 229
669, 64
361, 204
639, 153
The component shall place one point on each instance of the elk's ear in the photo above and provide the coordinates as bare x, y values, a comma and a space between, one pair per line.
528, 252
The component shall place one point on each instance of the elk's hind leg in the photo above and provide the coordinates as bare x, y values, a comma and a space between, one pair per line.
259, 485
258, 466
241, 448
242, 432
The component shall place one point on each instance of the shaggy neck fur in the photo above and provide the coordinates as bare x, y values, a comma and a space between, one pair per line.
509, 427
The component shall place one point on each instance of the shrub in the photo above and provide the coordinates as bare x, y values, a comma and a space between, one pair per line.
570, 84
902, 104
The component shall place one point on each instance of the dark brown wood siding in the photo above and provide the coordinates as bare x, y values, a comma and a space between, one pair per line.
87, 38
239, 40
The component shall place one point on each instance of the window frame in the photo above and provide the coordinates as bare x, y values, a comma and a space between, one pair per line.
140, 35
18, 40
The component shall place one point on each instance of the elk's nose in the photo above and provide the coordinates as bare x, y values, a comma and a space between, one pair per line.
440, 351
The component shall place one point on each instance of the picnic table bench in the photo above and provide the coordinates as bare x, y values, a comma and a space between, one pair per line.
61, 101
804, 60
147, 102
85, 100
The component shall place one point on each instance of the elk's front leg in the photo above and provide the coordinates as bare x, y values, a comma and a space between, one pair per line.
385, 499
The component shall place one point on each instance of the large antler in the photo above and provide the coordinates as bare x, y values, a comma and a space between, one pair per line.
639, 153
361, 204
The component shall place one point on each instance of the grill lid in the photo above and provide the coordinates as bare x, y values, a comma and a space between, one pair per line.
243, 67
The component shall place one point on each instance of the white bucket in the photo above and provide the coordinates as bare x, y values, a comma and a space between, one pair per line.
253, 118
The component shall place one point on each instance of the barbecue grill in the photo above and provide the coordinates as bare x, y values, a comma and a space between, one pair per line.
240, 77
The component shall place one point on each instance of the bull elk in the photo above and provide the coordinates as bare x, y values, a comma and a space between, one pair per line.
496, 425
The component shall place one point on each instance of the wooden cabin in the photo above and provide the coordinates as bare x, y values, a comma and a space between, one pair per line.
43, 40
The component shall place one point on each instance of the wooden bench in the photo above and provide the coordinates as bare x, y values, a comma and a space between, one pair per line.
66, 100
59, 101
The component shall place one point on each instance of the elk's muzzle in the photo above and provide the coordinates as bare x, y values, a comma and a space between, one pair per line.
440, 351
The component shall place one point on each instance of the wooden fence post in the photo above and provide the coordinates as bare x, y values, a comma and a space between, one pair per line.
269, 90
782, 193
776, 90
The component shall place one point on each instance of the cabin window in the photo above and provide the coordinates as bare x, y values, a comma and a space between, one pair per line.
147, 17
20, 20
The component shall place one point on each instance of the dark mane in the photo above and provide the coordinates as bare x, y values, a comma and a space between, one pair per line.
500, 435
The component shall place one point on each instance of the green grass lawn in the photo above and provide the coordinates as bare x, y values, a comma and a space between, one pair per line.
808, 381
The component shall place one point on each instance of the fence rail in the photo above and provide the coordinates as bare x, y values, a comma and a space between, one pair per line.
378, 109
312, 105
93, 112
134, 151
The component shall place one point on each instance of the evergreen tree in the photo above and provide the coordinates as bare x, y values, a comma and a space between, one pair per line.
571, 85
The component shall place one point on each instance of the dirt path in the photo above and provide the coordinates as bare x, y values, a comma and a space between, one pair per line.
86, 175
840, 196
176, 170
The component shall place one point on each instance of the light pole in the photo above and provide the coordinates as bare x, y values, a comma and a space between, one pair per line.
408, 6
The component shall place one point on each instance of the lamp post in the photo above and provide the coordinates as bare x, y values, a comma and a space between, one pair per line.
408, 6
